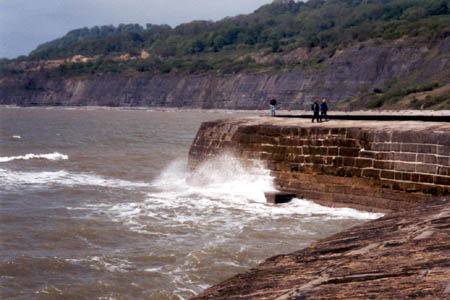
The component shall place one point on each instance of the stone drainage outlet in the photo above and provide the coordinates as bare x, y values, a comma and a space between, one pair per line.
279, 197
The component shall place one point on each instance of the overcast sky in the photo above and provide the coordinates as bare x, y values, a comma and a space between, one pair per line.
24, 24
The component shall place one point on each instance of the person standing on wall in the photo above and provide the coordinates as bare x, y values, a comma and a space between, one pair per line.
315, 108
323, 110
273, 106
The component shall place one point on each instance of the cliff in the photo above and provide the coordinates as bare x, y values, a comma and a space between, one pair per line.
401, 168
340, 76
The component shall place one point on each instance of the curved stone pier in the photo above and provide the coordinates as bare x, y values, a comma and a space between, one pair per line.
397, 167
383, 166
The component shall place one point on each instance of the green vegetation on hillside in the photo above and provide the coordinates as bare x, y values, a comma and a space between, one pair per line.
280, 26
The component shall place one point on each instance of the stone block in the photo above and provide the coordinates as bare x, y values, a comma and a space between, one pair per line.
426, 178
324, 131
443, 171
420, 158
396, 147
443, 160
349, 161
430, 159
314, 131
384, 156
352, 152
270, 140
318, 150
415, 177
367, 154
410, 157
443, 150
319, 160
381, 164
381, 147
406, 137
298, 142
296, 150
266, 156
303, 132
383, 136
387, 174
406, 176
426, 148
299, 159
227, 145
333, 151
289, 131
442, 180
443, 139
285, 141
266, 148
409, 148
335, 131
338, 161
403, 166
271, 130
329, 160
371, 173
364, 163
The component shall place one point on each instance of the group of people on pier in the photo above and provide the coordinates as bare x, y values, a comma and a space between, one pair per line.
320, 110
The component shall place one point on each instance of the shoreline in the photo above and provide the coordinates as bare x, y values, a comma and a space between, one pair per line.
264, 113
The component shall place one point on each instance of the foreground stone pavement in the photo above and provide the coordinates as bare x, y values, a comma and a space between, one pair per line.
400, 256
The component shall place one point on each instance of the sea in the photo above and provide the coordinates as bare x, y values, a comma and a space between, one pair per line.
95, 204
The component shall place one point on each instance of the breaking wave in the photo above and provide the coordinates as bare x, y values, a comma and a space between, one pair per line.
49, 156
14, 179
221, 192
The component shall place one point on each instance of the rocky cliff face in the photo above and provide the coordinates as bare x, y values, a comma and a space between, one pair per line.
338, 76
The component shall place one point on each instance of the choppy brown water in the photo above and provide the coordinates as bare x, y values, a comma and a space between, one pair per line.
94, 205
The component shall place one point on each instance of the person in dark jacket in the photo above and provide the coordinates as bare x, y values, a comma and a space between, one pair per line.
316, 108
273, 106
323, 110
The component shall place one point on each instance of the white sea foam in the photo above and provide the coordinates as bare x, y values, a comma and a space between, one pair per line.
225, 182
223, 193
49, 156
16, 179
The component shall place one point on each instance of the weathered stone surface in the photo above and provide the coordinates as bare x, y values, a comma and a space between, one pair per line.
362, 154
400, 256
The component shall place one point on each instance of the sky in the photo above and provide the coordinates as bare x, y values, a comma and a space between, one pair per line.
24, 24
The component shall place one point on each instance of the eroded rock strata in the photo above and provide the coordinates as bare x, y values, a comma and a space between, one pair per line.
340, 76
398, 167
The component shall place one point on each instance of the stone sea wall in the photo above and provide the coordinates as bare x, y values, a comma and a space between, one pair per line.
381, 166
